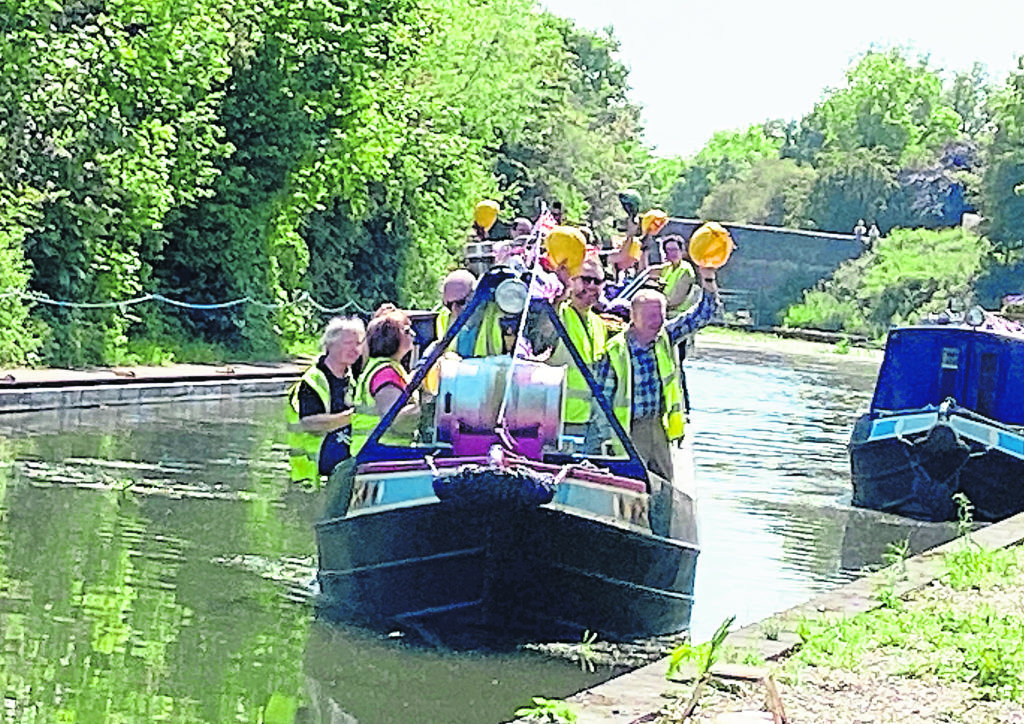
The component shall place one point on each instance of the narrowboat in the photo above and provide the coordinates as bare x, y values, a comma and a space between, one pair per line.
947, 417
493, 521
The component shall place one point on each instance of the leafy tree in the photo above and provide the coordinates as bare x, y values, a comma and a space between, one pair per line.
1002, 191
889, 105
850, 185
908, 274
773, 192
724, 158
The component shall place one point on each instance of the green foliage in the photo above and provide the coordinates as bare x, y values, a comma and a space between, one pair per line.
979, 645
553, 711
772, 192
703, 655
910, 273
890, 106
21, 339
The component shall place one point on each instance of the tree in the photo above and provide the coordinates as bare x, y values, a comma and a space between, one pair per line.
773, 191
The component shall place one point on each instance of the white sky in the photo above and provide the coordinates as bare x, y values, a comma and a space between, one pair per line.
700, 67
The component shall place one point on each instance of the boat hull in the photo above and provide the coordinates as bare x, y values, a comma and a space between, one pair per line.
547, 572
914, 464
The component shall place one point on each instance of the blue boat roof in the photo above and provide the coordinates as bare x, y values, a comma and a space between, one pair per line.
981, 368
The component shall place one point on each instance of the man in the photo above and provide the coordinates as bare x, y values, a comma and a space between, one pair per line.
588, 333
321, 400
639, 374
456, 291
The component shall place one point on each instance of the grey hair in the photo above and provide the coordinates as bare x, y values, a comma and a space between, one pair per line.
648, 295
338, 326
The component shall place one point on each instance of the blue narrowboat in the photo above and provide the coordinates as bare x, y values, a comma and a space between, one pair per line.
947, 417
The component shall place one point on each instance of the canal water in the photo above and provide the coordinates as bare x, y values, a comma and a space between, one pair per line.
156, 565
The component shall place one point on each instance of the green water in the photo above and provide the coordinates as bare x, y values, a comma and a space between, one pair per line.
156, 565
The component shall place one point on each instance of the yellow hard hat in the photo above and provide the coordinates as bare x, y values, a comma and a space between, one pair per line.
711, 245
485, 214
653, 221
567, 246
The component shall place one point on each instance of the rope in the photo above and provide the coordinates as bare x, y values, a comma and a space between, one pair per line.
302, 298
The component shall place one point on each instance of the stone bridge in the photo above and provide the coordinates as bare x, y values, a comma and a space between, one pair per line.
771, 266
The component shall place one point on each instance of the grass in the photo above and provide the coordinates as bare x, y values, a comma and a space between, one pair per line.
978, 643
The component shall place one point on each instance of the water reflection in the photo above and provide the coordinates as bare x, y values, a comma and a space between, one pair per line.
156, 564
774, 483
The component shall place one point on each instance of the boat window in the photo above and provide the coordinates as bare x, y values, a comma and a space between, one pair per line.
987, 372
950, 358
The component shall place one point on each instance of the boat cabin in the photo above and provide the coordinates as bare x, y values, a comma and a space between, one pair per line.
980, 368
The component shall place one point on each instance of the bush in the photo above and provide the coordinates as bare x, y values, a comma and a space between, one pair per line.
910, 273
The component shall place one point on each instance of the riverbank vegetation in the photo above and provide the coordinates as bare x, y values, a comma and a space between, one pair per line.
909, 274
277, 165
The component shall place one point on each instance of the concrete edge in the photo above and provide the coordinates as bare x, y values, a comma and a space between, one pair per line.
630, 696
170, 390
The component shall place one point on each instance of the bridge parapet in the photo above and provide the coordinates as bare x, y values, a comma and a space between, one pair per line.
772, 266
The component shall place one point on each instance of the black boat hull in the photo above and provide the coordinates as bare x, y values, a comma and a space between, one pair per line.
917, 474
543, 573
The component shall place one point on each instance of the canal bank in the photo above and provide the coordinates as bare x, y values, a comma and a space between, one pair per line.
646, 695
31, 390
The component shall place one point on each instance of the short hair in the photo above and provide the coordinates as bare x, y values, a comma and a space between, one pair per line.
337, 327
384, 335
645, 296
673, 237
464, 276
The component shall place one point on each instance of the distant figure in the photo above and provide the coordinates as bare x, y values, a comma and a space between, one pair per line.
873, 234
521, 227
859, 231
456, 291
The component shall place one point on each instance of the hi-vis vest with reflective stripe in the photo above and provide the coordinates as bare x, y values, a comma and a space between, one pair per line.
365, 417
304, 447
618, 353
489, 341
591, 346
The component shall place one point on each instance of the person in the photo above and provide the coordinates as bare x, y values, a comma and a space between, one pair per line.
321, 400
456, 291
873, 234
639, 374
859, 231
677, 274
588, 334
389, 338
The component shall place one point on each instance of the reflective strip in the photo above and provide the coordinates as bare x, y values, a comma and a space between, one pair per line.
304, 453
901, 426
1010, 443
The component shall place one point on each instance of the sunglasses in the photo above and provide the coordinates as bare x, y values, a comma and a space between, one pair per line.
456, 303
591, 280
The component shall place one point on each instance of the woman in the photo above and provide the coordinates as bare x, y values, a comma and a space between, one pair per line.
389, 338
321, 401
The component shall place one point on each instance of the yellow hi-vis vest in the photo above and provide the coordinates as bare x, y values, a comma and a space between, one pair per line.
304, 447
673, 277
618, 353
590, 345
442, 322
364, 415
489, 341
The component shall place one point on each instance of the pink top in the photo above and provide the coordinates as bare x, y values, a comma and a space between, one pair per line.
386, 376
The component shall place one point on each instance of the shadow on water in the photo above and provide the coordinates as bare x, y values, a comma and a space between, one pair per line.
156, 564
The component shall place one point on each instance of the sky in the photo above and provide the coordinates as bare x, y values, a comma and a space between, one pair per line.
701, 67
